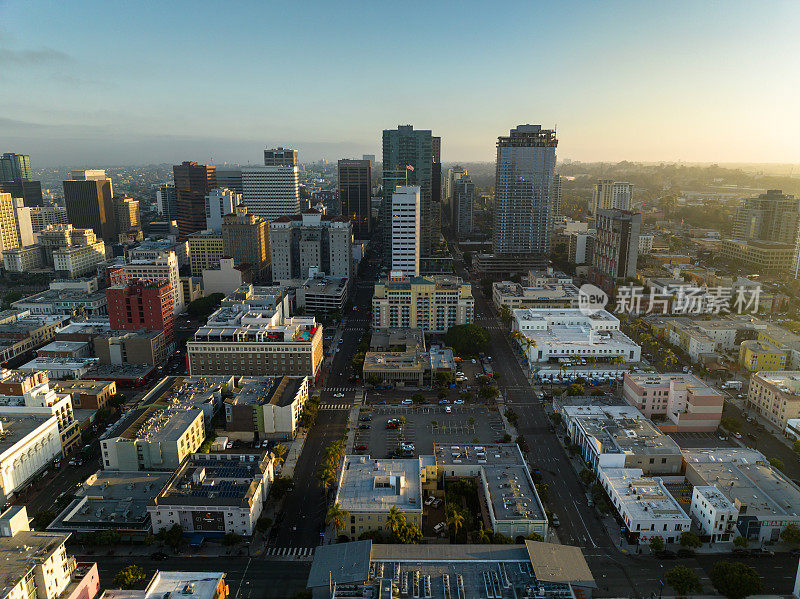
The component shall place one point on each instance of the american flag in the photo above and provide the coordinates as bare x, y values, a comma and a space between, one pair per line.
409, 167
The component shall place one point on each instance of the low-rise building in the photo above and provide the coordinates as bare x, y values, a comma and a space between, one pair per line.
571, 333
249, 341
513, 504
761, 256
775, 395
785, 340
433, 303
87, 394
225, 276
755, 355
405, 368
621, 437
680, 401
369, 487
112, 500
214, 494
60, 368
78, 260
645, 505
697, 337
714, 514
766, 499
36, 564
20, 332
131, 347
171, 427
65, 349
28, 443
516, 296
64, 300
266, 408
320, 294
24, 259
200, 585
442, 571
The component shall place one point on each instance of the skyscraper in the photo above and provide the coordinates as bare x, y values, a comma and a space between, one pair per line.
230, 177
405, 229
166, 201
219, 202
616, 246
88, 196
274, 190
15, 167
556, 203
126, 211
29, 191
192, 182
772, 216
408, 160
280, 157
463, 202
526, 160
355, 195
245, 238
611, 195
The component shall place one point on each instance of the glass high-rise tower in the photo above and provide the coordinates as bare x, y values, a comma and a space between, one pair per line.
523, 205
15, 167
408, 160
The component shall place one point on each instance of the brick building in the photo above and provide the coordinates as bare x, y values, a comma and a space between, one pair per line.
142, 305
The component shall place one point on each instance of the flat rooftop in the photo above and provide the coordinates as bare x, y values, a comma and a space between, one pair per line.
375, 485
219, 479
786, 381
511, 491
259, 391
23, 552
617, 430
15, 428
746, 476
409, 361
64, 346
112, 499
202, 585
581, 336
715, 497
562, 313
80, 386
641, 496
410, 339
655, 380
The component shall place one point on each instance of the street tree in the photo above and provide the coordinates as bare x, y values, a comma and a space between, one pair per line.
684, 580
656, 544
791, 534
690, 540
337, 516
129, 577
735, 580
467, 339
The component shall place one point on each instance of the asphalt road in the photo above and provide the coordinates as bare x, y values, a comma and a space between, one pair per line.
247, 578
302, 520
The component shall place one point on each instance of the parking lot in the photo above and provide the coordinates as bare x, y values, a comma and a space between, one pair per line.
425, 425
700, 440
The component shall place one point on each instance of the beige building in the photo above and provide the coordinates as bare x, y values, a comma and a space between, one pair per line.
550, 295
432, 303
131, 347
77, 261
761, 256
245, 340
126, 210
775, 395
53, 237
23, 259
205, 250
245, 238
266, 408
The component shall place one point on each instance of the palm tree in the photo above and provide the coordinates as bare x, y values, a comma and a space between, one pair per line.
280, 452
455, 519
337, 516
395, 519
481, 534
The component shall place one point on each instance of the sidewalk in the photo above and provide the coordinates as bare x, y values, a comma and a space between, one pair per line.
295, 448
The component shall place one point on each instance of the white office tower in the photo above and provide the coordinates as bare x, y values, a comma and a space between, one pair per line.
611, 195
271, 191
406, 229
219, 202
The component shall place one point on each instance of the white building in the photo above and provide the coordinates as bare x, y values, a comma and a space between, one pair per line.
645, 244
645, 505
214, 494
78, 260
609, 194
219, 202
268, 406
569, 333
198, 585
35, 564
28, 443
225, 278
162, 268
406, 230
271, 191
714, 514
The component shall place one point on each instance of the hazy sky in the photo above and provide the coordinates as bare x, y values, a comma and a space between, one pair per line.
138, 82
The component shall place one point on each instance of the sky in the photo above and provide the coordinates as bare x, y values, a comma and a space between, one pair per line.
113, 82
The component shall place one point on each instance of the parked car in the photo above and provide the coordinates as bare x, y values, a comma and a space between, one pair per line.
555, 521
458, 402
364, 427
360, 447
441, 527
448, 409
365, 418
430, 500
338, 394
737, 435
406, 402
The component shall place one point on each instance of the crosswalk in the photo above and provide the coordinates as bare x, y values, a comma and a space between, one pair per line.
340, 389
334, 406
290, 551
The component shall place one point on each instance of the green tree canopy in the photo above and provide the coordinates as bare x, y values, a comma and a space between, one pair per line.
735, 580
467, 339
656, 544
791, 534
690, 540
684, 580
129, 577
204, 306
